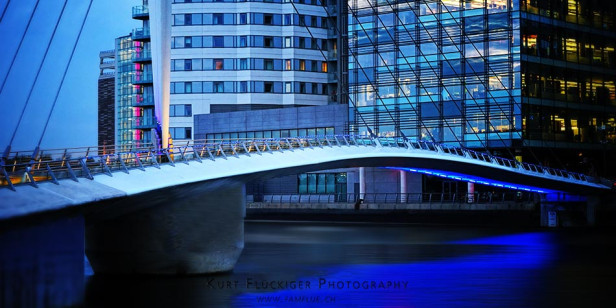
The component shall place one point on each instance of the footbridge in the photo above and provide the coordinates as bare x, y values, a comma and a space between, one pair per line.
180, 209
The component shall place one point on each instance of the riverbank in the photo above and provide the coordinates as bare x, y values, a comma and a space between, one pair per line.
501, 214
528, 218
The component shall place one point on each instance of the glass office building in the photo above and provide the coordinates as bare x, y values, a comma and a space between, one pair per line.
445, 71
510, 75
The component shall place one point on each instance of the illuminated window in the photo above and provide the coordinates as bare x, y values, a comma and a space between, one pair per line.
324, 67
219, 64
302, 65
287, 65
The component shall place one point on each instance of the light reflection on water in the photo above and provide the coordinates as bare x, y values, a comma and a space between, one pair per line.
491, 277
442, 266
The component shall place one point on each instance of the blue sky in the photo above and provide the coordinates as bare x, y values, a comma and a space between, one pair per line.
74, 119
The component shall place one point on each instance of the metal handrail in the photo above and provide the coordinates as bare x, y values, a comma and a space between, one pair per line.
35, 166
398, 198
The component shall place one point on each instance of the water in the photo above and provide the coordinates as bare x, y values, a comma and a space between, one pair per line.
367, 265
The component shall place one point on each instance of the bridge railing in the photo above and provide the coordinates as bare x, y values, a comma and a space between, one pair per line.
51, 165
398, 198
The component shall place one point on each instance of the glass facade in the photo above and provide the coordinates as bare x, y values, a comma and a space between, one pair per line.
569, 72
525, 76
124, 90
445, 71
134, 85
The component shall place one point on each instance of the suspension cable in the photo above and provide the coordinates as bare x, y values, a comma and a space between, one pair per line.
4, 10
23, 36
53, 34
55, 100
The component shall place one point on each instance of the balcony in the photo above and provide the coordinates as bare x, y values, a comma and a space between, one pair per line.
141, 34
143, 79
141, 12
142, 56
140, 100
107, 53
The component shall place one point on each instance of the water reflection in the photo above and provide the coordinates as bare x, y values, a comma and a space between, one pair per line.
433, 266
499, 271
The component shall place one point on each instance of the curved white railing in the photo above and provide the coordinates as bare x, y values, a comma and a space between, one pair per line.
51, 165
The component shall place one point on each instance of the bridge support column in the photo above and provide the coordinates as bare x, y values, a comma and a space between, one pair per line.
403, 189
592, 202
549, 214
471, 192
190, 229
362, 182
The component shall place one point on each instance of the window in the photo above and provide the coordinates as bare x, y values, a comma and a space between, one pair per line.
324, 67
268, 41
313, 66
180, 110
287, 41
243, 64
188, 19
288, 87
218, 41
287, 19
180, 132
268, 19
269, 64
243, 18
302, 65
218, 19
188, 65
287, 65
313, 21
178, 20
302, 87
219, 64
188, 87
243, 41
243, 86
268, 87
188, 42
322, 183
218, 87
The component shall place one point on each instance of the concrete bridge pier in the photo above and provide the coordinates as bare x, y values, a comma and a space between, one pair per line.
559, 211
592, 202
190, 229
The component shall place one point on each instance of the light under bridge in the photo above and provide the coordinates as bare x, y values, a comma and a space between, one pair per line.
181, 209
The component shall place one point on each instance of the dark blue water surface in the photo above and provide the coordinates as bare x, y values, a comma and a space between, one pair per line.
389, 265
